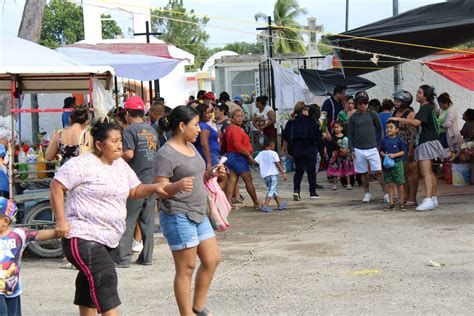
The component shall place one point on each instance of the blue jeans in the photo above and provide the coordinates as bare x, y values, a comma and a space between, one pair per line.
10, 306
182, 233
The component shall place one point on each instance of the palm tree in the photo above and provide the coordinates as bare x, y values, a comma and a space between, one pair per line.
287, 40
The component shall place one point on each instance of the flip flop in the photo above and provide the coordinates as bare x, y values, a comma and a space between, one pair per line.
204, 312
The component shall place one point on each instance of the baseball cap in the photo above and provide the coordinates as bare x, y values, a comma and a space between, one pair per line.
238, 98
135, 103
8, 208
209, 95
361, 95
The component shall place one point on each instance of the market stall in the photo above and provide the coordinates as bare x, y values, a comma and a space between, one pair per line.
26, 67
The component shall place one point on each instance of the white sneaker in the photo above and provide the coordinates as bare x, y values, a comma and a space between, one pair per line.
386, 199
434, 199
137, 246
367, 197
426, 205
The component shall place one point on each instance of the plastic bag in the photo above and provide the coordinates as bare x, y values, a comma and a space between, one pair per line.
218, 208
388, 162
103, 101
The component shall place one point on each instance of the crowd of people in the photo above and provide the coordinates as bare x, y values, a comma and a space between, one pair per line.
104, 199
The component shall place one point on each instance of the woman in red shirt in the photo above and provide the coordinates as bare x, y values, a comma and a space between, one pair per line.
239, 155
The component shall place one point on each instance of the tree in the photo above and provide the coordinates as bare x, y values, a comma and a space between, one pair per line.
182, 29
30, 26
110, 29
466, 45
243, 48
323, 48
30, 29
287, 41
63, 24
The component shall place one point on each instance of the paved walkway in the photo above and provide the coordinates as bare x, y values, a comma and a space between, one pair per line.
330, 256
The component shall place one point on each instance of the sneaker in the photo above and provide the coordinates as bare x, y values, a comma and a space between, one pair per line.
386, 199
434, 199
137, 246
314, 196
349, 187
334, 187
265, 209
426, 205
319, 187
296, 196
367, 197
282, 205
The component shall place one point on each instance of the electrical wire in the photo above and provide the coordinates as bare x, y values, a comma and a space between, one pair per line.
295, 40
298, 29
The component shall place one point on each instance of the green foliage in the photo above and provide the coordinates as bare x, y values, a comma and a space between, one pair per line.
182, 29
63, 24
323, 49
244, 48
110, 29
285, 13
466, 45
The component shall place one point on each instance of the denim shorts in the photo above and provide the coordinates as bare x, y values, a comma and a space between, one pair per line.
182, 233
272, 184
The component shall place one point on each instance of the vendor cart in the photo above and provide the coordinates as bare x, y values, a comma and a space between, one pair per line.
50, 73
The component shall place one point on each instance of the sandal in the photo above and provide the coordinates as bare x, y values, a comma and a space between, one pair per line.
389, 207
402, 207
204, 312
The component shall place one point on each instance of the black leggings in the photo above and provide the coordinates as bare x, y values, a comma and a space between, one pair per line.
305, 160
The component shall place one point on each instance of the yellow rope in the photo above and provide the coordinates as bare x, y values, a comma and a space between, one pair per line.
298, 29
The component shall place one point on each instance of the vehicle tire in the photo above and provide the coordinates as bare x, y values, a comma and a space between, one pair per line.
42, 213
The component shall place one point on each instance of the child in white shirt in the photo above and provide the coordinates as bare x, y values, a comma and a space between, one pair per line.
270, 167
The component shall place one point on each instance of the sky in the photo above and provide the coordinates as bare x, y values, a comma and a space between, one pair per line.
238, 15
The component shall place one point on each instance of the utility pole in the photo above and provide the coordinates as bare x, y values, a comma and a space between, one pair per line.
270, 67
150, 83
347, 15
270, 29
396, 69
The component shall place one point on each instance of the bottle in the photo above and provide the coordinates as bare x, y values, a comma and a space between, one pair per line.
22, 165
31, 161
41, 164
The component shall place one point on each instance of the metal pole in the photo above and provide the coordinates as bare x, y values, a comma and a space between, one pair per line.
396, 69
150, 83
272, 79
116, 92
11, 150
270, 55
347, 15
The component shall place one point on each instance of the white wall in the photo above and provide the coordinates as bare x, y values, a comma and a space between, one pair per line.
48, 122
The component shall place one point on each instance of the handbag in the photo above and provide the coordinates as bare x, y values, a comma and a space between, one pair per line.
218, 208
388, 162
85, 142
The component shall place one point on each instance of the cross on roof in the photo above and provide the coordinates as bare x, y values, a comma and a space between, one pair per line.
312, 27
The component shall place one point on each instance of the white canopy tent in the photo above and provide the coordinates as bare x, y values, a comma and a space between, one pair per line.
39, 69
133, 66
